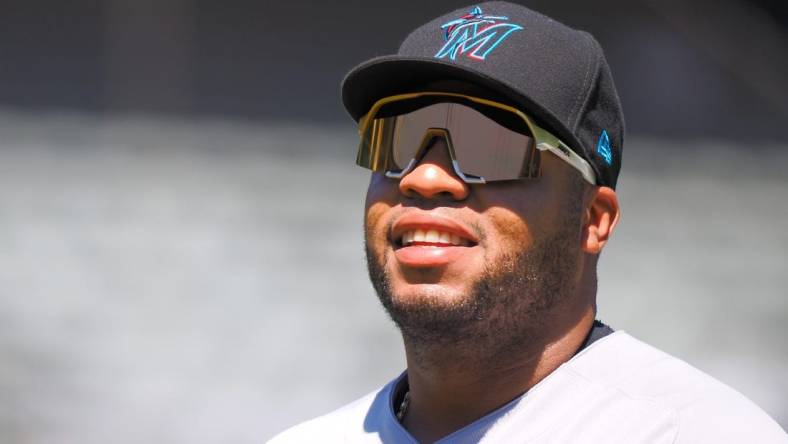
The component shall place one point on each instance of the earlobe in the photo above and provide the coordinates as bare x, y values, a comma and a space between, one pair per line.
601, 217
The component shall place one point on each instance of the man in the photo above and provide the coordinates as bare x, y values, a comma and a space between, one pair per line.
495, 139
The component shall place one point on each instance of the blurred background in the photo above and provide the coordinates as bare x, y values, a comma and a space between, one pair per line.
181, 255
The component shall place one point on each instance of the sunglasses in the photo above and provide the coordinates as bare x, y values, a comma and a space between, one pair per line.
487, 141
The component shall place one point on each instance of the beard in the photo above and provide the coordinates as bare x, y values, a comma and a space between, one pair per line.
505, 309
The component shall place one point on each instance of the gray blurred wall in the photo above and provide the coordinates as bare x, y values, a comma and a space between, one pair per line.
708, 68
201, 281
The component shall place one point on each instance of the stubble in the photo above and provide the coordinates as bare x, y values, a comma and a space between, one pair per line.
505, 309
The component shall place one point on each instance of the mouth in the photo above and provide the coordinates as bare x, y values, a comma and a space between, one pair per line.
428, 240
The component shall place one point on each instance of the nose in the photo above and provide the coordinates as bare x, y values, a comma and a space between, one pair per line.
434, 175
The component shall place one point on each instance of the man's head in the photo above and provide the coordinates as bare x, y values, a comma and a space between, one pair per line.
497, 263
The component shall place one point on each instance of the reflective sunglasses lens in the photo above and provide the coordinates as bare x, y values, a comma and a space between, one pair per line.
487, 149
411, 129
389, 143
487, 142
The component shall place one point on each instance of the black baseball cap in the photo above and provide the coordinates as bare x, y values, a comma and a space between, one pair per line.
556, 74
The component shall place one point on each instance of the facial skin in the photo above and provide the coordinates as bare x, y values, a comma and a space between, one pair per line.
526, 247
484, 322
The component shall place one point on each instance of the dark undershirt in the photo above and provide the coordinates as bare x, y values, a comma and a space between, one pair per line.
598, 331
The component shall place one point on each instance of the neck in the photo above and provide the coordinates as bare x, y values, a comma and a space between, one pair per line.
458, 385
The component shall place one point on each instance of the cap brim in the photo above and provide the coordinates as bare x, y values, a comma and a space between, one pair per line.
389, 75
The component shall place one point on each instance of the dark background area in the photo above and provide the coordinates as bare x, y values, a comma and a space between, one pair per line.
702, 68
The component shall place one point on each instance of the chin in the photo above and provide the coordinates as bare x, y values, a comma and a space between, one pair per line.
428, 294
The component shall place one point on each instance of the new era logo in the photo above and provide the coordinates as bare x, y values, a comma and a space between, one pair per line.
603, 148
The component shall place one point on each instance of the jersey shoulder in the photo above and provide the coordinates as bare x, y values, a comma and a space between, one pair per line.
704, 409
345, 424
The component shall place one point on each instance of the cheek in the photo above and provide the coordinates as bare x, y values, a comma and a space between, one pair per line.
375, 222
508, 231
381, 197
381, 190
518, 214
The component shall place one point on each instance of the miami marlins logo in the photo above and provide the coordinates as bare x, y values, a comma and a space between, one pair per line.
475, 34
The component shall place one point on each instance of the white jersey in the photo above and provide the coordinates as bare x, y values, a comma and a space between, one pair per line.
617, 390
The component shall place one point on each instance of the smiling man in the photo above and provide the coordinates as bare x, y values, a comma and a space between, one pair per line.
494, 137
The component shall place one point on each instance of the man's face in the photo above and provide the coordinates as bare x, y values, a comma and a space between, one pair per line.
453, 261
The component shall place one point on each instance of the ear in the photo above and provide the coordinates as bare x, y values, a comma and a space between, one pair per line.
601, 218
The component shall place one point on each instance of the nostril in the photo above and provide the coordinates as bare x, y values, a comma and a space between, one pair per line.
429, 180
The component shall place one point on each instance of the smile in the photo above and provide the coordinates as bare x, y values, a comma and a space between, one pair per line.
432, 237
425, 239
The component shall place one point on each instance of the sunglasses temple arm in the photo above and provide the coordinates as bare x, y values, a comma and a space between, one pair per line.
570, 157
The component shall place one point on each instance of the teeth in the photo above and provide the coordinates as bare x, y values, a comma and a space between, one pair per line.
433, 237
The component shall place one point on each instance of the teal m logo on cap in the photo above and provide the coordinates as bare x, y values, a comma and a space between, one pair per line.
603, 148
475, 34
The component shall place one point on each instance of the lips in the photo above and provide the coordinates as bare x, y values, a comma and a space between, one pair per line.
432, 236
430, 240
